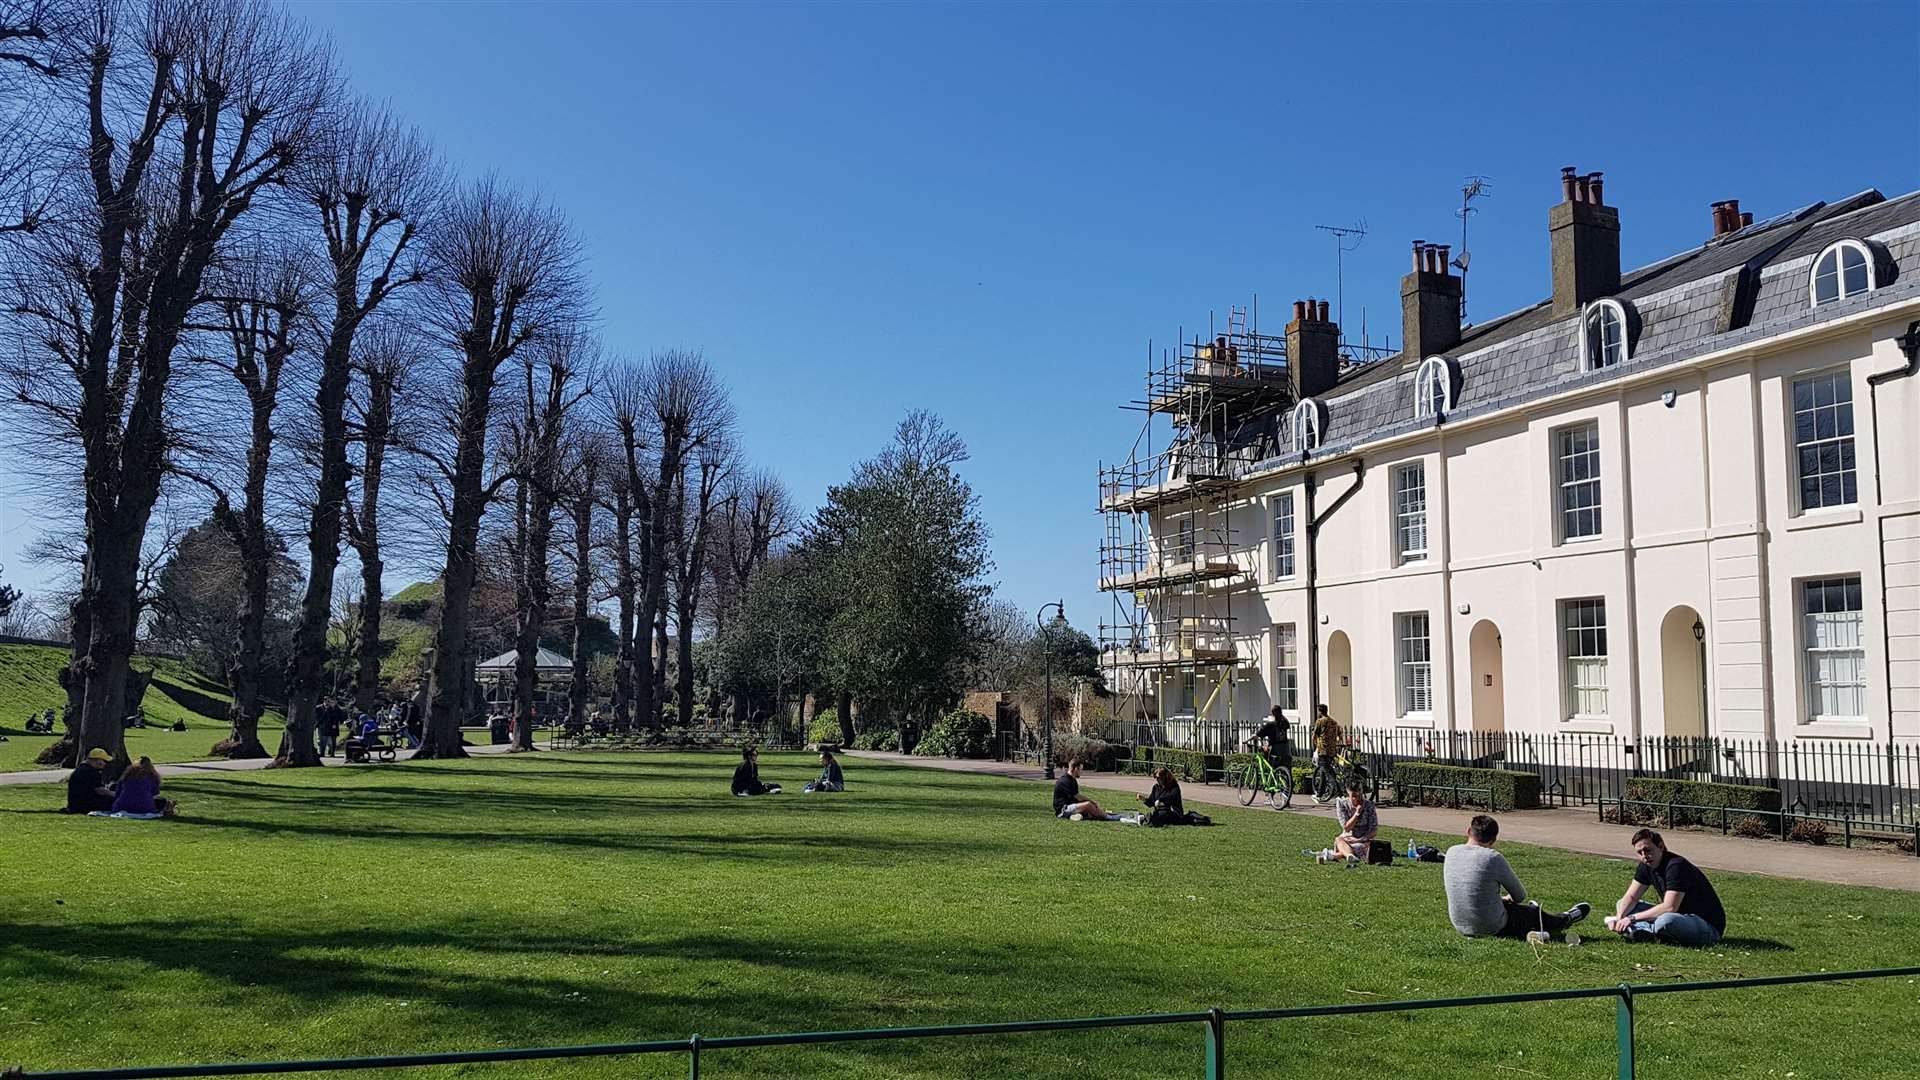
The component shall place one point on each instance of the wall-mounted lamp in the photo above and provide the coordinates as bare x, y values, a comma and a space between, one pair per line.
1699, 631
1464, 609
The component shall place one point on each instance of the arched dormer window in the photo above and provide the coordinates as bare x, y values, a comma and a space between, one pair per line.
1433, 387
1308, 418
1603, 335
1844, 269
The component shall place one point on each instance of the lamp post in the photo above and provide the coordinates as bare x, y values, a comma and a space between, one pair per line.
1046, 634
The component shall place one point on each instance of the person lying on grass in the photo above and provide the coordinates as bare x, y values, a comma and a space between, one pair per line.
1067, 802
1475, 874
1359, 824
831, 778
87, 788
138, 791
746, 778
1689, 911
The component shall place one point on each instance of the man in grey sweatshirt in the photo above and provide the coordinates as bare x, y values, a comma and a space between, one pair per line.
1475, 874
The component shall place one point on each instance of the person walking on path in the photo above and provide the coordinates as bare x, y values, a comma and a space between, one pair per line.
1689, 911
1475, 875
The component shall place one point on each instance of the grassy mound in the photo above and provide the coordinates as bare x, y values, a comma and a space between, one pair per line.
560, 898
30, 683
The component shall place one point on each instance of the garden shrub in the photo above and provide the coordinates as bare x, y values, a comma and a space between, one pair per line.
824, 727
886, 739
1644, 790
1431, 784
1753, 827
961, 733
1099, 754
1808, 832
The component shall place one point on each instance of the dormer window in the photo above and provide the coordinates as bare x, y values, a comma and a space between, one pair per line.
1844, 269
1307, 417
1603, 335
1433, 388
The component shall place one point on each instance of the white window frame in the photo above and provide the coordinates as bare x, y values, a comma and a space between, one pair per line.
1836, 251
1411, 539
1843, 445
1286, 667
1565, 489
1433, 381
1306, 425
1283, 541
1600, 309
1413, 664
1583, 658
1833, 651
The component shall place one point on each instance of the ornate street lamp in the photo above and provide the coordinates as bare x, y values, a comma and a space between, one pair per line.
1047, 631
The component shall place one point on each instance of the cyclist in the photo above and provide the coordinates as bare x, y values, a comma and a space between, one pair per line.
1326, 745
1273, 734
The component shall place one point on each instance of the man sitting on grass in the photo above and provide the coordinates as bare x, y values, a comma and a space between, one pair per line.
1689, 911
746, 778
831, 778
87, 789
1067, 802
1475, 874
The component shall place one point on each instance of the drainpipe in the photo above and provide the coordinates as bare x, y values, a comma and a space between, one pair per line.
1313, 587
1909, 343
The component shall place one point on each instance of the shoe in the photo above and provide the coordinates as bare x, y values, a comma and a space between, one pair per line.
1353, 860
1077, 817
1320, 857
1577, 912
1642, 937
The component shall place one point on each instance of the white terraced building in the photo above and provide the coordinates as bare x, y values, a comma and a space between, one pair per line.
1677, 500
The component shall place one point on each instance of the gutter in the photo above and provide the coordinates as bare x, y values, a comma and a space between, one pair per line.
1312, 635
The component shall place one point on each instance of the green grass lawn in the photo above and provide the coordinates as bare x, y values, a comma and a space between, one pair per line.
29, 682
556, 898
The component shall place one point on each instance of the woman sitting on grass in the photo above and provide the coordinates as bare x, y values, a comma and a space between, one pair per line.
1359, 823
746, 778
1164, 805
138, 791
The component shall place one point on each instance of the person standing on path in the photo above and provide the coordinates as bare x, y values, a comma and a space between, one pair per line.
1689, 911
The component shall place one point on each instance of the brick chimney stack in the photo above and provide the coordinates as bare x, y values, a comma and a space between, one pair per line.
1586, 244
1313, 349
1429, 303
1727, 218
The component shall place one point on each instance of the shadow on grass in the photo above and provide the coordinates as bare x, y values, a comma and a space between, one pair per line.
1754, 944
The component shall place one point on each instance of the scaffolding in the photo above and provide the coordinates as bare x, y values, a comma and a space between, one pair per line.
1168, 557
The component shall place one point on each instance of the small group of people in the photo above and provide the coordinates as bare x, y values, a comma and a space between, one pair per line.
747, 782
42, 725
1271, 739
136, 793
400, 719
1486, 899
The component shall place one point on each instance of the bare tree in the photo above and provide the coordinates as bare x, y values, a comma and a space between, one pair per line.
32, 34
506, 272
566, 357
383, 361
694, 495
632, 504
756, 515
584, 472
371, 183
258, 306
187, 111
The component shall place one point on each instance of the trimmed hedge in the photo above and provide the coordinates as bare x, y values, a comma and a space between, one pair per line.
1194, 765
1693, 792
1434, 784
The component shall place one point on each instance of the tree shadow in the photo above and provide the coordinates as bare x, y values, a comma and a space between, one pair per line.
1754, 944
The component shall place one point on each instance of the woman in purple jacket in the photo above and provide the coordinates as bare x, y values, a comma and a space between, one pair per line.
139, 791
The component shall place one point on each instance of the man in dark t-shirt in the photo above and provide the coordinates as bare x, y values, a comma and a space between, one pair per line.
1067, 801
87, 786
1688, 912
1273, 734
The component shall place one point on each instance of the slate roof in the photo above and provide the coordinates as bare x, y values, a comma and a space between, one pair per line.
1679, 307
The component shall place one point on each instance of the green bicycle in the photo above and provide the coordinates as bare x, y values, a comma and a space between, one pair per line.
1258, 777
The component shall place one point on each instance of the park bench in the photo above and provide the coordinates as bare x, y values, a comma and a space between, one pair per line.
358, 752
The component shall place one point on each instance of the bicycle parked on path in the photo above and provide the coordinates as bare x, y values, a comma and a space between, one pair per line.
1258, 777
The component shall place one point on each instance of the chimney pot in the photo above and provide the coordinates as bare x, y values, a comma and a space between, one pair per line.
1594, 179
1746, 219
1417, 245
1567, 181
1440, 257
1299, 310
1323, 312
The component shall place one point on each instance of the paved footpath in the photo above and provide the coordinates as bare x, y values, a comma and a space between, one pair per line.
189, 768
1567, 829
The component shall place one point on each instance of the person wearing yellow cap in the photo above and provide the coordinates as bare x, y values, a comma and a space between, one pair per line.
87, 788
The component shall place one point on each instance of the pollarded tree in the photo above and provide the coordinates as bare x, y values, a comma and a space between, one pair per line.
183, 113
694, 497
506, 272
380, 420
370, 184
583, 478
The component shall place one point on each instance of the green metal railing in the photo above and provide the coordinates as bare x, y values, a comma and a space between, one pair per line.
1213, 1022
1783, 819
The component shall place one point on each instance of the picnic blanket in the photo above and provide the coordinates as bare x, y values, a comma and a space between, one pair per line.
124, 814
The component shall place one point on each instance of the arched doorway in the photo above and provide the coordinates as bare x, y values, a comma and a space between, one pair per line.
1340, 677
1485, 661
1683, 674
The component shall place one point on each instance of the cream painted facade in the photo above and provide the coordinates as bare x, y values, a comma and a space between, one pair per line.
1700, 522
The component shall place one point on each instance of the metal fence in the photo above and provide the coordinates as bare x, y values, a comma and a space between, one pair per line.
1212, 1025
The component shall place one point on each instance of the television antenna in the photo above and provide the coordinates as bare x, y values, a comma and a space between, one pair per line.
1476, 187
1341, 233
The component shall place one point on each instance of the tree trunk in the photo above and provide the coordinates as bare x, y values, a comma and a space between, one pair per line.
366, 533
843, 706
623, 587
366, 681
535, 592
243, 738
661, 647
582, 584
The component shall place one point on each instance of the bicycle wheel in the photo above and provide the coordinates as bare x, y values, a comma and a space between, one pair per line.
1326, 784
1246, 784
1280, 796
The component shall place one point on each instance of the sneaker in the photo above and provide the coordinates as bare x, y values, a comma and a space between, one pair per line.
1077, 817
1577, 912
1320, 857
1353, 860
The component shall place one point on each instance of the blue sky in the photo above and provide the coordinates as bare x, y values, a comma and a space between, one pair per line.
988, 210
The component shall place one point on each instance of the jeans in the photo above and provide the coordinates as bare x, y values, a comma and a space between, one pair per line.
1524, 918
1676, 928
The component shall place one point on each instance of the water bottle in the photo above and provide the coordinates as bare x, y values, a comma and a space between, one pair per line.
1413, 853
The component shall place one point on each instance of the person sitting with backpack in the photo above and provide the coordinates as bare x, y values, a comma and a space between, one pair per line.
1164, 805
1359, 824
